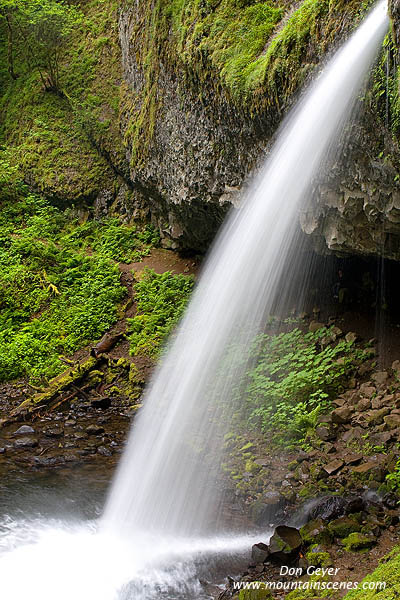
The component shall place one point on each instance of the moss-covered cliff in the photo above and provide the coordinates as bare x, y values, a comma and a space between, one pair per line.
168, 106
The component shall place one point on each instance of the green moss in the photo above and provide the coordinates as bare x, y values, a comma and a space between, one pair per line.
388, 572
56, 140
319, 558
358, 542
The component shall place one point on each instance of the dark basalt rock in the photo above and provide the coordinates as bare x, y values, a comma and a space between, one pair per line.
24, 430
285, 543
333, 507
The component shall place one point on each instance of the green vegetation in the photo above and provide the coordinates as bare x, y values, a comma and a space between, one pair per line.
161, 300
387, 572
59, 286
38, 32
294, 377
393, 479
66, 144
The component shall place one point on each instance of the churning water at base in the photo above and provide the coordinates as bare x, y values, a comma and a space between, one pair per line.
165, 501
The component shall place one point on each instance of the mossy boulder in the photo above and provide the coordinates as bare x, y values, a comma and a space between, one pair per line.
356, 542
316, 532
317, 557
261, 594
344, 526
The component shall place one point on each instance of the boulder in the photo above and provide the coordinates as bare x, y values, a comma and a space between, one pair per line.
392, 421
380, 377
341, 415
285, 542
316, 532
26, 442
375, 417
259, 553
367, 390
358, 541
24, 430
343, 526
334, 466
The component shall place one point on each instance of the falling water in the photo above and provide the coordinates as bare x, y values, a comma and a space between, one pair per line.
166, 481
167, 487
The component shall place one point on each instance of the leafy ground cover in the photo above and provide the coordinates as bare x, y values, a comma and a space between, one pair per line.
161, 300
294, 377
59, 283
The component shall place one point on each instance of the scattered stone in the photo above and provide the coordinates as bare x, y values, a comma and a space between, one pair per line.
94, 429
334, 466
70, 422
26, 442
352, 458
24, 430
392, 421
260, 553
375, 417
351, 337
364, 404
367, 390
396, 367
380, 377
353, 434
102, 403
104, 451
364, 468
341, 415
323, 433
53, 432
315, 326
2, 450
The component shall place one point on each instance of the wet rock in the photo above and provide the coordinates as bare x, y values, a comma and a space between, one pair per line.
26, 442
104, 451
70, 422
94, 429
284, 542
53, 432
260, 553
103, 403
2, 450
24, 430
48, 461
341, 415
332, 507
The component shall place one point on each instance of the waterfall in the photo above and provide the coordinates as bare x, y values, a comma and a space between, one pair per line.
167, 480
163, 511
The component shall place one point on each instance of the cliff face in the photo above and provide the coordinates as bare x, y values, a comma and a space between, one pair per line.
212, 121
172, 105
